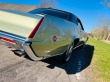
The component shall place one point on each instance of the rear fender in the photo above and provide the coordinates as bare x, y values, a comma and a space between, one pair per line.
41, 42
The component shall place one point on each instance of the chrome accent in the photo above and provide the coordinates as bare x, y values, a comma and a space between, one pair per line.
12, 36
78, 46
19, 52
30, 53
17, 39
17, 45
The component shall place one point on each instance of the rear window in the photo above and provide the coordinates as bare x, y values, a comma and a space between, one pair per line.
73, 19
52, 12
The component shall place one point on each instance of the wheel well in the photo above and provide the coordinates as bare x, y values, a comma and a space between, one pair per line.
76, 42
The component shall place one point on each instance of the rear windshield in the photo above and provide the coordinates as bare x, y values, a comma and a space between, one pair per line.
52, 12
73, 19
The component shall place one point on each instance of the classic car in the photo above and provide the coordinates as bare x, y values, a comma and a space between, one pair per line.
42, 33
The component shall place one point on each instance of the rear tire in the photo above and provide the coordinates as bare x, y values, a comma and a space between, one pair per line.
65, 57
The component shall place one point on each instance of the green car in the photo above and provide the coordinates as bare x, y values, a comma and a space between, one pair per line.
42, 33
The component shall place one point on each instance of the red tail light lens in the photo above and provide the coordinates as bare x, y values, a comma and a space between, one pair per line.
35, 29
7, 40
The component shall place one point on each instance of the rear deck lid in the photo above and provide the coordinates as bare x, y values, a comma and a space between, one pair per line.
18, 23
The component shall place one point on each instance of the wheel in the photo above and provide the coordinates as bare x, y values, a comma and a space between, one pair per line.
68, 53
82, 46
66, 56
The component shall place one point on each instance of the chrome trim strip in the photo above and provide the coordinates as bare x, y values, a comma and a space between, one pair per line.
53, 56
14, 37
78, 46
28, 50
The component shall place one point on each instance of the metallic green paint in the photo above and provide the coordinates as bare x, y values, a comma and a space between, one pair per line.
42, 44
18, 23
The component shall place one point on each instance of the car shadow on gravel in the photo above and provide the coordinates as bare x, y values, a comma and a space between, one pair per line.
80, 60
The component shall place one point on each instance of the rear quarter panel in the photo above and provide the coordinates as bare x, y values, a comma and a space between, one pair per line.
41, 43
65, 31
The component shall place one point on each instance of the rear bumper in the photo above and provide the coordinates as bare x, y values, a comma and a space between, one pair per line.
12, 36
18, 40
30, 52
19, 44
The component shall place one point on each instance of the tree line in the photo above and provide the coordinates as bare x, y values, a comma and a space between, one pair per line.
102, 31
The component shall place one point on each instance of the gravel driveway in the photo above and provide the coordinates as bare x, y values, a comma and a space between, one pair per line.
21, 69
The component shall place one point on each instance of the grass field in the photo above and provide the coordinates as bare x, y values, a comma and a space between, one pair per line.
101, 60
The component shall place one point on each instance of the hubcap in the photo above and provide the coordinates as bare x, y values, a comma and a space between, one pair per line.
69, 53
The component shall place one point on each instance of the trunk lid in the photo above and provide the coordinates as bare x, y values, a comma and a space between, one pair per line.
17, 22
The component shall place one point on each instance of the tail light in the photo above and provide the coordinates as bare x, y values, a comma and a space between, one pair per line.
35, 29
7, 40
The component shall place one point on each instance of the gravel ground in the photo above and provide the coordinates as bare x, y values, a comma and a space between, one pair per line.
21, 69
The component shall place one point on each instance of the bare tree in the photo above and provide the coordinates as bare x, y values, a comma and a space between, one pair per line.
106, 3
108, 37
47, 3
102, 31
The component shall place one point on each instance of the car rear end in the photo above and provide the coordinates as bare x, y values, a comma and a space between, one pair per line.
19, 29
41, 33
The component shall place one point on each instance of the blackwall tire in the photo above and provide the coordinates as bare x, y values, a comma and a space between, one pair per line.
66, 56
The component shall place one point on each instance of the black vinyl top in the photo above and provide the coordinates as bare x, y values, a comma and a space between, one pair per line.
55, 12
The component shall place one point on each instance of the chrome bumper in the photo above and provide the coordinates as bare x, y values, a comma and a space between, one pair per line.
30, 52
19, 44
17, 39
12, 36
